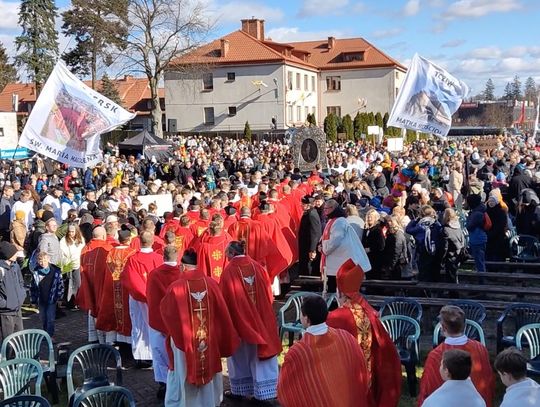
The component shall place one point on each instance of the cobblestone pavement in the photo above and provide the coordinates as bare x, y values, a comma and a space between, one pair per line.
72, 329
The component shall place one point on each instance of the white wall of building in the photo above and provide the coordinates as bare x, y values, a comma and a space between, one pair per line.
377, 87
302, 97
185, 98
9, 136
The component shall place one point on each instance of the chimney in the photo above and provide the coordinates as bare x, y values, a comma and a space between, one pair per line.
224, 47
254, 27
331, 42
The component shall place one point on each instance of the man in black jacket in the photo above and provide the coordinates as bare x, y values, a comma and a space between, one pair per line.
309, 235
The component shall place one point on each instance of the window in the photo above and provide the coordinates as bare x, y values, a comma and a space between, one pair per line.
397, 91
333, 109
208, 115
353, 56
1, 132
306, 87
289, 80
306, 111
333, 83
232, 110
290, 113
298, 113
313, 84
231, 76
298, 81
208, 81
397, 75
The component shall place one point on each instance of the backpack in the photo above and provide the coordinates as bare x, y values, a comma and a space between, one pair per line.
487, 222
430, 238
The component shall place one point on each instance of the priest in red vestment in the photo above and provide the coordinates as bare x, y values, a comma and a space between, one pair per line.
200, 225
360, 319
183, 235
171, 222
113, 317
93, 269
159, 281
211, 251
148, 225
200, 333
258, 242
453, 325
134, 279
326, 367
253, 369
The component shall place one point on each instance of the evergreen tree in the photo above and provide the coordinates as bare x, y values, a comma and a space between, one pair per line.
371, 119
357, 124
348, 127
8, 73
37, 46
331, 127
530, 90
109, 89
516, 88
247, 132
379, 120
508, 94
489, 90
311, 120
385, 122
99, 28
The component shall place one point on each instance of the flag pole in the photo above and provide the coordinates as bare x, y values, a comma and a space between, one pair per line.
536, 129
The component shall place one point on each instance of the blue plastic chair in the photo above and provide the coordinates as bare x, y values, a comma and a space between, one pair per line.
473, 330
408, 307
473, 310
405, 332
291, 325
25, 401
16, 376
94, 361
531, 333
106, 396
524, 249
512, 319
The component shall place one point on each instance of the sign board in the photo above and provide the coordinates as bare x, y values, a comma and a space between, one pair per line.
308, 147
373, 130
164, 202
395, 144
487, 144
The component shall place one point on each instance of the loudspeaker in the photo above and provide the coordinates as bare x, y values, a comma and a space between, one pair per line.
171, 125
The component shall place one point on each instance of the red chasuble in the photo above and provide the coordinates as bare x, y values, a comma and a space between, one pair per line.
323, 371
294, 209
93, 268
481, 371
359, 318
158, 246
199, 227
258, 242
281, 254
196, 318
170, 225
136, 273
114, 310
211, 256
159, 281
247, 292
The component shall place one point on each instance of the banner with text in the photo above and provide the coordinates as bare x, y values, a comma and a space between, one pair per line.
68, 118
428, 98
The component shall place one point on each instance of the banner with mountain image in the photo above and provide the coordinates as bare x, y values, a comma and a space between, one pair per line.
427, 99
68, 118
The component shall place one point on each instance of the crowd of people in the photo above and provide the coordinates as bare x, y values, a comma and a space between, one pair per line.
184, 287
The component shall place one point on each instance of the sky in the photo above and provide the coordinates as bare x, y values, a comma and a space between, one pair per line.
473, 39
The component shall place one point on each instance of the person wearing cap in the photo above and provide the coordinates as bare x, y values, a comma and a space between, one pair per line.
326, 367
205, 335
112, 226
134, 279
339, 243
113, 318
48, 242
309, 235
358, 317
158, 282
12, 291
253, 368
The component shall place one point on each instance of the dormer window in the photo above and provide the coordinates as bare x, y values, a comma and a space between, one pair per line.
353, 56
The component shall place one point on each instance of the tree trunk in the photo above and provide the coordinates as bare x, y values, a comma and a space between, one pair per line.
157, 126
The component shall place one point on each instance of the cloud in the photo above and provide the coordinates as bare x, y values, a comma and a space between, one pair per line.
392, 32
322, 7
236, 10
359, 8
479, 8
10, 15
453, 43
411, 8
485, 53
292, 34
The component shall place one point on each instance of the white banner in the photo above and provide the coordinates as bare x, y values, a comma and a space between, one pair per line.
68, 118
164, 202
428, 98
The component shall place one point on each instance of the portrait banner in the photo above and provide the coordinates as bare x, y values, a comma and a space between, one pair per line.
428, 98
68, 118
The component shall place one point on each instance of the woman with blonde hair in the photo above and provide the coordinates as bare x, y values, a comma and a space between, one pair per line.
395, 254
373, 241
71, 246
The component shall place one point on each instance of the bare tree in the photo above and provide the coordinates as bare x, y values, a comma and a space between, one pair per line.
161, 30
